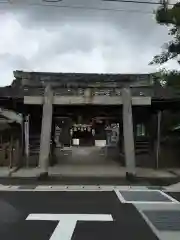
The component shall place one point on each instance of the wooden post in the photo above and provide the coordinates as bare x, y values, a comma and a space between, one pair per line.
26, 133
22, 144
159, 115
11, 151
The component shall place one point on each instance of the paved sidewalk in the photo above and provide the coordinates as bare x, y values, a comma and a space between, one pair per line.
153, 173
174, 187
26, 173
89, 175
6, 171
175, 171
92, 171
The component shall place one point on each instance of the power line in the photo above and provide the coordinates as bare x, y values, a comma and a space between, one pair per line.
80, 7
138, 2
10, 2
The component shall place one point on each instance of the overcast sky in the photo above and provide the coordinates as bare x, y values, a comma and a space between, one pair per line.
37, 38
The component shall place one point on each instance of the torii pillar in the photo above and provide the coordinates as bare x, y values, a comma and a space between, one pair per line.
46, 131
128, 133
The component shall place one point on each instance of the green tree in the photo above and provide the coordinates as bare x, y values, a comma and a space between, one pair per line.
168, 78
169, 16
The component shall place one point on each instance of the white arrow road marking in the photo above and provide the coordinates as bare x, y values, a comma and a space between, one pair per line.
67, 222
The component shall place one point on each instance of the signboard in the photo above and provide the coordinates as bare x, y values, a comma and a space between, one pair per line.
112, 132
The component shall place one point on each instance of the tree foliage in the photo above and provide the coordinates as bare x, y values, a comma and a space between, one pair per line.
169, 16
168, 78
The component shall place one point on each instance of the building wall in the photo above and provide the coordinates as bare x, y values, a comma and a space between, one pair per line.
11, 146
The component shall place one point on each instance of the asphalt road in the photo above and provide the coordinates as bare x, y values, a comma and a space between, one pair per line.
90, 215
99, 215
175, 195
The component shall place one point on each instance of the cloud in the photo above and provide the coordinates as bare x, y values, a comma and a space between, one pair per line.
35, 38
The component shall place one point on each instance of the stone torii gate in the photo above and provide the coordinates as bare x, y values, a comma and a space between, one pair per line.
127, 130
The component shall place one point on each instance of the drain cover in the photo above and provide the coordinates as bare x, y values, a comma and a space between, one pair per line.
168, 220
144, 196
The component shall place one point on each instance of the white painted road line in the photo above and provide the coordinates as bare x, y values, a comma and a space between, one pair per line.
155, 231
171, 198
67, 222
78, 188
119, 195
123, 200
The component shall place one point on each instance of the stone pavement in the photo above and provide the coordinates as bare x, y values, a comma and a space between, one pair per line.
175, 171
88, 175
6, 171
91, 171
173, 187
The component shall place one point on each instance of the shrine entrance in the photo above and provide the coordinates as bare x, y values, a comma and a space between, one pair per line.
82, 134
86, 142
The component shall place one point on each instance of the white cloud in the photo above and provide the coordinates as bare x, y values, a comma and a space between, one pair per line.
14, 39
46, 39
